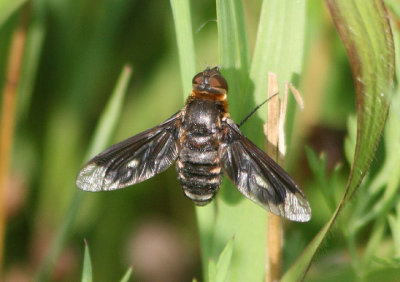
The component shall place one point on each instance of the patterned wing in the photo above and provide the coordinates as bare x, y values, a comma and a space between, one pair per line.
132, 160
259, 178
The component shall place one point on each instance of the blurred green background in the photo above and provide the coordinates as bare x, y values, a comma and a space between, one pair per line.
82, 48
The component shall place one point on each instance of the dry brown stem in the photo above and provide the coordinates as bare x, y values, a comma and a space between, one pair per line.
8, 116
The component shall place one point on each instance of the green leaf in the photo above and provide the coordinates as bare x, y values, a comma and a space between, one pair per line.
100, 140
234, 51
394, 7
212, 271
234, 59
365, 31
237, 215
388, 262
394, 224
229, 214
220, 272
183, 29
327, 184
87, 275
224, 262
33, 49
279, 46
127, 275
351, 138
110, 116
184, 37
232, 215
7, 8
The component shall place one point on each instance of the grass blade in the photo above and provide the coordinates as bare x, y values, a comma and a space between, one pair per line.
366, 34
109, 118
234, 51
127, 275
212, 271
224, 262
184, 37
34, 43
183, 28
100, 140
230, 212
87, 275
279, 47
234, 212
248, 259
7, 8
219, 272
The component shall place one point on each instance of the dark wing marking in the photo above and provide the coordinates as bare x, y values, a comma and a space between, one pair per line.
259, 178
132, 160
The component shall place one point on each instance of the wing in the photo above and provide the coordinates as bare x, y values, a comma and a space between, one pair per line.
259, 178
132, 160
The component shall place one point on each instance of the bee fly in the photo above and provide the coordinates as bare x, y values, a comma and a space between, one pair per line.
205, 142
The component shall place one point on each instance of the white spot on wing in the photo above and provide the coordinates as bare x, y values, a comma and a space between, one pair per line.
133, 163
91, 178
297, 208
260, 182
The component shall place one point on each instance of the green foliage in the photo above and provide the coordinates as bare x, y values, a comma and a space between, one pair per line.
184, 36
127, 275
369, 45
7, 8
220, 272
326, 183
233, 220
87, 275
73, 57
87, 266
101, 137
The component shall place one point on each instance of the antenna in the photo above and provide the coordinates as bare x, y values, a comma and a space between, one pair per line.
255, 109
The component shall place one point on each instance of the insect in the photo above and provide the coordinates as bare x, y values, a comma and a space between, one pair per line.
205, 143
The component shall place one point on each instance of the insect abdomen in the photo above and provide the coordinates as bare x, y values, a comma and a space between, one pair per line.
199, 171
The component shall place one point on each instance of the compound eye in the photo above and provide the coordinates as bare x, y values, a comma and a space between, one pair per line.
198, 78
218, 81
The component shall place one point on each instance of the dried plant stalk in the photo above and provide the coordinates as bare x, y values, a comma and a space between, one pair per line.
8, 116
274, 131
274, 224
